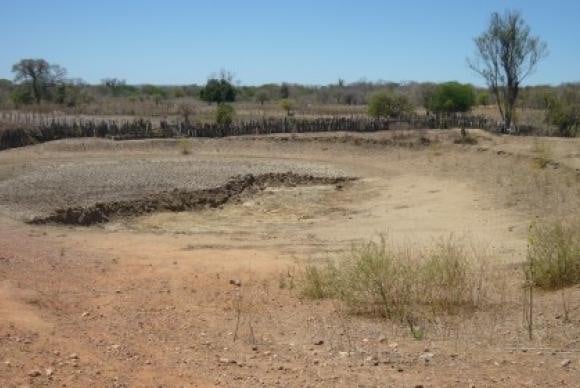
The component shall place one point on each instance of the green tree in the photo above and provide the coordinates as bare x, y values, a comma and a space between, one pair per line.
452, 97
218, 90
506, 55
384, 104
38, 76
225, 114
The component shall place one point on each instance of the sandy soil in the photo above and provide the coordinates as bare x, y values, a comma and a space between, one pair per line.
149, 301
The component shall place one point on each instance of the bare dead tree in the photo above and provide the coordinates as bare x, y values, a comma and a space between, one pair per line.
506, 55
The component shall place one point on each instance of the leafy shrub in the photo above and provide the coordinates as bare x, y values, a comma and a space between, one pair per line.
452, 97
554, 255
224, 114
22, 96
388, 105
564, 114
287, 105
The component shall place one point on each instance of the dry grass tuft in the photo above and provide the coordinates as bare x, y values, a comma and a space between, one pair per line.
554, 255
185, 146
543, 153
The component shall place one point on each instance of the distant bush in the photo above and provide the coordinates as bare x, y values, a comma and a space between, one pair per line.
225, 114
287, 105
563, 114
452, 97
483, 98
554, 255
373, 278
388, 105
218, 90
262, 97
21, 96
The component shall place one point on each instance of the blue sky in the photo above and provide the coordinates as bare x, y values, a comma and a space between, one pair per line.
304, 41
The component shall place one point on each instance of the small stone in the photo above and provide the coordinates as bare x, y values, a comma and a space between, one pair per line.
382, 339
34, 373
426, 357
236, 282
565, 363
85, 314
319, 342
49, 371
73, 356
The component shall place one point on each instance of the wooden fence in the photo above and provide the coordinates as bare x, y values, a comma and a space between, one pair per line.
29, 129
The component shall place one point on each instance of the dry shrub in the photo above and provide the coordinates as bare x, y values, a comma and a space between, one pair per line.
554, 255
543, 153
373, 278
466, 139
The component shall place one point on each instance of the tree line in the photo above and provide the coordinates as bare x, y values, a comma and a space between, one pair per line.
507, 53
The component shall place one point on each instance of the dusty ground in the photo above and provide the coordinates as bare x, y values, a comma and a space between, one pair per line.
148, 301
